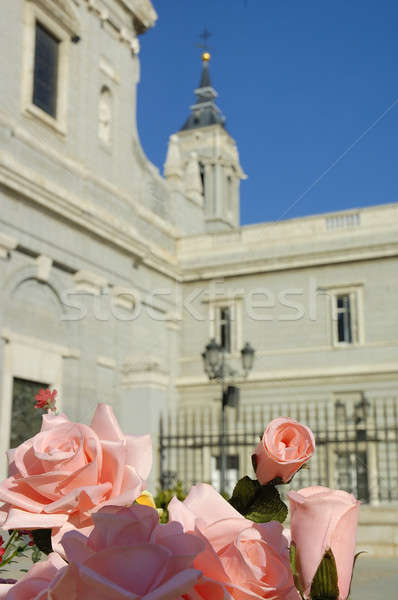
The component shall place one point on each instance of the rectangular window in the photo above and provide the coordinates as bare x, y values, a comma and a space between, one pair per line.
25, 418
344, 319
45, 77
225, 327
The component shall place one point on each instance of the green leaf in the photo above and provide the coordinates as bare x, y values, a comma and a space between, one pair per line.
325, 583
259, 503
42, 539
293, 566
353, 566
36, 554
293, 557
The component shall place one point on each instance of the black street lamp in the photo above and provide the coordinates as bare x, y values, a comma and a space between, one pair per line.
216, 367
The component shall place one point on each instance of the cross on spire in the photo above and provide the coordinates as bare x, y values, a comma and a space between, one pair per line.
205, 35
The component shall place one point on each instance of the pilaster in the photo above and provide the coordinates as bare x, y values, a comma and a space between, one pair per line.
143, 397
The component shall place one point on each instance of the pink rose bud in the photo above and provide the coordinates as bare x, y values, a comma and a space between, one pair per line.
285, 446
323, 519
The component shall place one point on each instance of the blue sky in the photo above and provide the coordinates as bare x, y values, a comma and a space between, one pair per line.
299, 82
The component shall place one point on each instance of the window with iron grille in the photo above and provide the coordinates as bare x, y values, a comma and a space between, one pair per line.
45, 77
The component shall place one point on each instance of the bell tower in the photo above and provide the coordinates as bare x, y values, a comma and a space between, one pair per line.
208, 158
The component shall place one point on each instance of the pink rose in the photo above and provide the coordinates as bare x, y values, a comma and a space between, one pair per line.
242, 560
286, 445
128, 555
68, 471
35, 584
323, 519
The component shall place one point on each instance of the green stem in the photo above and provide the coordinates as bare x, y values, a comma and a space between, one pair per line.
11, 539
10, 542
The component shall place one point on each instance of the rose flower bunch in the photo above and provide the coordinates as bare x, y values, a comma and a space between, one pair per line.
82, 489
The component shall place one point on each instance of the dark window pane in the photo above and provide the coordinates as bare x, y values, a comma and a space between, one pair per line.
202, 176
25, 419
232, 462
344, 326
225, 328
45, 71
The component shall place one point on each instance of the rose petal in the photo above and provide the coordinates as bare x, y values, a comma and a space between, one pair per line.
114, 460
128, 566
175, 587
132, 488
17, 493
105, 424
4, 589
139, 454
49, 421
21, 519
75, 546
84, 499
204, 501
46, 484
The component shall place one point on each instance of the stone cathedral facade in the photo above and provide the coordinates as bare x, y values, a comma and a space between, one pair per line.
113, 277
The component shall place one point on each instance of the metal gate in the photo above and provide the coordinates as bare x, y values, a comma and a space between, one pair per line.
356, 444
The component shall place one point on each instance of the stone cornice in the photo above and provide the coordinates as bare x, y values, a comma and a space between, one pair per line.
143, 17
24, 340
300, 376
353, 235
142, 10
86, 214
63, 12
20, 133
246, 266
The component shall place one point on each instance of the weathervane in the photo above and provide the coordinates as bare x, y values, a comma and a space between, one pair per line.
205, 35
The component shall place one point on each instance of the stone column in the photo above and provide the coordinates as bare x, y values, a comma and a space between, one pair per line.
143, 397
173, 321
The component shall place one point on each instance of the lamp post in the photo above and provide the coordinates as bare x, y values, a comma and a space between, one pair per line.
217, 368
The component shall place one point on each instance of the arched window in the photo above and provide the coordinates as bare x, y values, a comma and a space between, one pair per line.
105, 115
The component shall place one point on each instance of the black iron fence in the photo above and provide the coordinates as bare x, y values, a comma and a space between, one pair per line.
356, 437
